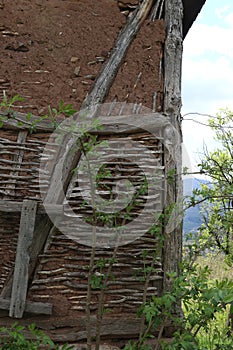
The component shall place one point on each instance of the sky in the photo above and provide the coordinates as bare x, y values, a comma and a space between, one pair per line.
207, 74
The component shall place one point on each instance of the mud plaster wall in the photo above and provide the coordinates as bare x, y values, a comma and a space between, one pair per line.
141, 74
52, 50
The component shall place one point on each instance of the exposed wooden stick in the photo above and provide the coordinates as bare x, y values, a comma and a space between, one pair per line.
17, 159
155, 12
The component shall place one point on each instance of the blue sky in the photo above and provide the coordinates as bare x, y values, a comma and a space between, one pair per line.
207, 77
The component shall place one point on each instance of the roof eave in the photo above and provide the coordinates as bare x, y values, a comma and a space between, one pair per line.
191, 11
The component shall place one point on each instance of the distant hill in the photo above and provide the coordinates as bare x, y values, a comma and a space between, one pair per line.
192, 218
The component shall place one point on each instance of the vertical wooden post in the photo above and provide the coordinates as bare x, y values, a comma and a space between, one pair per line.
173, 49
172, 105
173, 58
20, 279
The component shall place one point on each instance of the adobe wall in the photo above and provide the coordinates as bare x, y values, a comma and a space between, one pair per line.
55, 49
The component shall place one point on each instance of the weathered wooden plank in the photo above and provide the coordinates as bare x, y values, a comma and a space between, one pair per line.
20, 279
108, 128
43, 225
30, 307
16, 207
111, 327
10, 206
131, 123
19, 121
39, 308
173, 58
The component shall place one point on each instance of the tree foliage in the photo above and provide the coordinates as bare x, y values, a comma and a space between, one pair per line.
216, 231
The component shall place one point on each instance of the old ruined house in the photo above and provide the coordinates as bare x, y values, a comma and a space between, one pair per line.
84, 52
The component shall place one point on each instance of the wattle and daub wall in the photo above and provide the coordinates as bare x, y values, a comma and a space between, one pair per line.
56, 51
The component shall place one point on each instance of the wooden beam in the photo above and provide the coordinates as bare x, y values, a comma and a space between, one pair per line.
132, 123
118, 127
20, 279
173, 59
118, 328
172, 105
43, 225
30, 307
16, 207
19, 121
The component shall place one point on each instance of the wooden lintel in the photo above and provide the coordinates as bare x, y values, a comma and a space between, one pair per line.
20, 278
30, 307
130, 124
122, 124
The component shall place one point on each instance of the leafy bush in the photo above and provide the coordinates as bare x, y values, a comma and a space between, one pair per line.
206, 303
14, 338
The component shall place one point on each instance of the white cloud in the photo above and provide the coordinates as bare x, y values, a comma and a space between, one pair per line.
220, 12
229, 19
207, 85
206, 39
196, 137
207, 80
207, 75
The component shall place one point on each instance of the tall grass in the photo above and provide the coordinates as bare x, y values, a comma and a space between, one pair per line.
219, 335
217, 265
